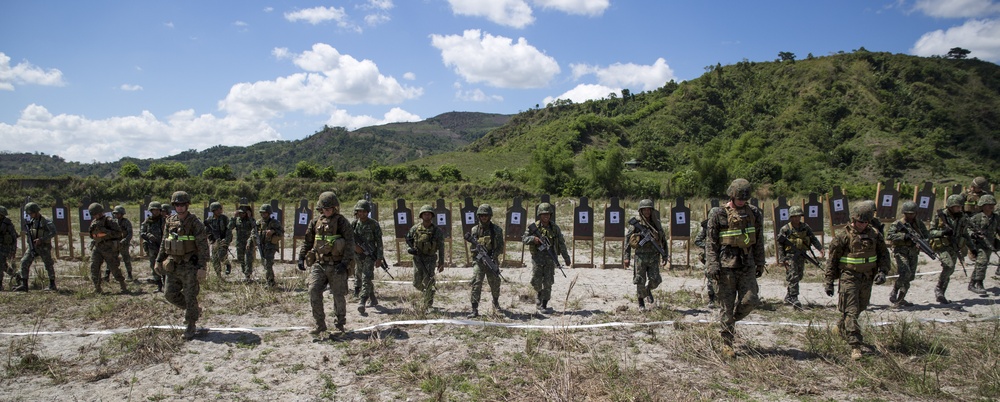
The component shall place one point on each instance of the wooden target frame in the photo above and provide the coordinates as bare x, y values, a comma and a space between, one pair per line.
515, 223
680, 230
614, 231
583, 230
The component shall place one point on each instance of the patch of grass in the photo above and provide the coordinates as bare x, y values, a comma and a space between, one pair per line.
329, 390
373, 367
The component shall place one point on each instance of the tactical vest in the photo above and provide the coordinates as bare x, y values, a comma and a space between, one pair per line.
263, 227
179, 240
243, 228
942, 242
904, 242
742, 230
328, 245
861, 256
218, 225
972, 202
636, 236
797, 238
424, 240
107, 241
484, 236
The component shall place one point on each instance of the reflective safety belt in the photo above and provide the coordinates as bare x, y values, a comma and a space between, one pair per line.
328, 238
858, 260
183, 238
736, 232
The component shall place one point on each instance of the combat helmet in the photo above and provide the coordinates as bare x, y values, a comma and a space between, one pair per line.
955, 200
3, 211
95, 210
981, 183
32, 208
861, 213
180, 197
739, 189
327, 199
645, 203
155, 205
544, 208
987, 200
795, 210
485, 209
213, 206
362, 205
119, 209
909, 207
425, 208
265, 208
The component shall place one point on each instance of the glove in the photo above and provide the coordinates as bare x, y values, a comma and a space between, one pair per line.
712, 270
829, 289
411, 251
158, 268
880, 278
567, 261
340, 268
760, 270
947, 232
202, 274
302, 264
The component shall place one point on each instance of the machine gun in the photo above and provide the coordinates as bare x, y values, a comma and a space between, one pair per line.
646, 236
27, 232
483, 256
784, 242
953, 238
913, 236
546, 246
369, 251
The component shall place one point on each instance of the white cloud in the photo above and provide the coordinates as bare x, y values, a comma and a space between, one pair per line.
241, 24
982, 37
477, 95
512, 13
330, 79
317, 15
281, 53
642, 77
268, 9
131, 87
584, 92
496, 60
169, 24
409, 76
26, 73
378, 10
340, 118
376, 19
378, 5
578, 7
957, 8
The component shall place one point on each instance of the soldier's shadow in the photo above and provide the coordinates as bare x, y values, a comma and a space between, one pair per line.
243, 338
794, 354
978, 301
394, 333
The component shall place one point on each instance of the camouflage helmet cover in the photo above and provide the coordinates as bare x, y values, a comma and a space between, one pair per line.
265, 208
3, 210
154, 205
987, 200
362, 205
795, 210
544, 208
119, 209
955, 200
645, 203
95, 210
213, 206
327, 199
739, 189
485, 209
180, 197
980, 182
32, 208
862, 212
909, 207
425, 209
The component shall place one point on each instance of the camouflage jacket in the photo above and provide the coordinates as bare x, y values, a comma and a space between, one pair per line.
244, 228
553, 233
126, 226
8, 238
428, 241
370, 233
189, 230
321, 230
984, 230
218, 229
897, 233
270, 224
850, 241
490, 236
105, 234
151, 232
719, 226
959, 225
42, 229
802, 238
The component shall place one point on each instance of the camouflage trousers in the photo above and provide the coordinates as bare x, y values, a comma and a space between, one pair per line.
220, 256
321, 275
45, 253
126, 259
423, 277
906, 265
982, 261
855, 293
364, 273
105, 256
152, 263
646, 273
793, 275
245, 258
6, 269
737, 297
543, 275
268, 263
948, 257
480, 272
182, 290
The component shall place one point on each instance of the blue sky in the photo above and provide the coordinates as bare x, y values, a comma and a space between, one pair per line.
98, 80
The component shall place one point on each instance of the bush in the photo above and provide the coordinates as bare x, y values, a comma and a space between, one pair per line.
449, 173
173, 170
130, 170
224, 172
306, 170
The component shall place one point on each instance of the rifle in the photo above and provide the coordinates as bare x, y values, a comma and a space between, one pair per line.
647, 237
953, 239
913, 236
784, 242
369, 251
483, 256
27, 232
260, 241
546, 246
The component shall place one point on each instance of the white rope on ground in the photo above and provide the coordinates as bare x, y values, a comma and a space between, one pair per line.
917, 274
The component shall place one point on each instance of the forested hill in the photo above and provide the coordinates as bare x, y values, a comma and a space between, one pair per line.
802, 125
331, 147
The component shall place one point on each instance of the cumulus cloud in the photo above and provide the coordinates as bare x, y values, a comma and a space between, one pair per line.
409, 76
982, 37
340, 118
268, 9
330, 79
131, 87
578, 7
378, 11
477, 95
512, 13
27, 74
318, 15
583, 93
629, 75
957, 8
169, 24
496, 60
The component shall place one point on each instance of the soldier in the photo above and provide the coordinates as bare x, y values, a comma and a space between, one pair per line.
151, 232
105, 241
425, 241
183, 260
858, 257
8, 247
979, 187
949, 228
735, 254
325, 250
983, 227
543, 267
490, 236
905, 251
699, 241
244, 225
126, 242
875, 223
270, 231
40, 232
219, 237
646, 271
366, 231
794, 240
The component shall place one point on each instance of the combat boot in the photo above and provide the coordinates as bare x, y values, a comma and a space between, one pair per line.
642, 305
977, 288
189, 332
893, 297
361, 305
649, 297
341, 320
159, 286
545, 306
373, 299
357, 291
320, 328
124, 287
496, 304
97, 287
229, 268
728, 352
22, 286
475, 310
52, 285
711, 300
939, 296
856, 353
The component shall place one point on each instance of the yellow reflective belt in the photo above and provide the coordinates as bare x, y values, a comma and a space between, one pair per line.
736, 232
858, 260
182, 238
329, 238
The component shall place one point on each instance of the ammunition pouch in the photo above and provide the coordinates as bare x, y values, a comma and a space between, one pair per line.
940, 243
633, 240
169, 265
179, 245
275, 239
310, 257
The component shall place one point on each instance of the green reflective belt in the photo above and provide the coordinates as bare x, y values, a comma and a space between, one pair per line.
858, 260
736, 232
183, 238
329, 238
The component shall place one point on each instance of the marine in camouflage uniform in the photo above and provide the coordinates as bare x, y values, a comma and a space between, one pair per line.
905, 251
646, 270
978, 188
490, 236
949, 228
125, 243
41, 231
8, 247
183, 260
368, 232
219, 237
426, 241
244, 225
983, 227
270, 230
699, 240
106, 236
794, 240
543, 267
151, 232
858, 258
328, 249
735, 255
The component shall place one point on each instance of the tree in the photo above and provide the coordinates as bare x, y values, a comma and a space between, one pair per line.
306, 170
173, 170
786, 56
607, 169
958, 53
449, 173
224, 172
130, 170
328, 173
